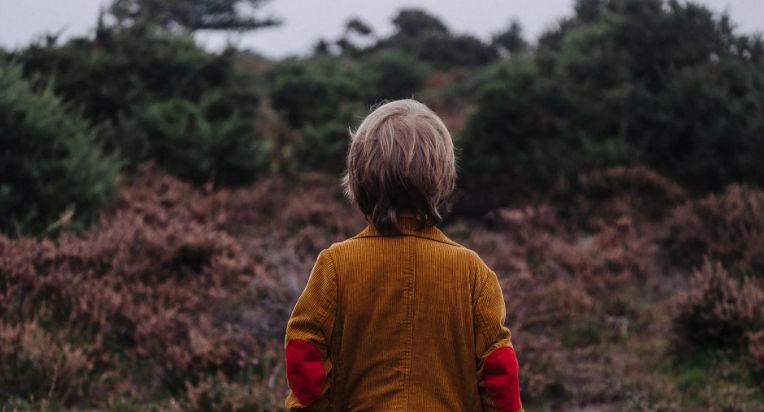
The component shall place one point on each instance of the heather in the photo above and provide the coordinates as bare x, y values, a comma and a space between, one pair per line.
177, 299
163, 203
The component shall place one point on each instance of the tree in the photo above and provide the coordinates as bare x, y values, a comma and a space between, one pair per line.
666, 84
358, 26
425, 37
142, 89
394, 75
321, 47
319, 98
183, 139
511, 40
52, 171
416, 22
588, 10
354, 28
192, 15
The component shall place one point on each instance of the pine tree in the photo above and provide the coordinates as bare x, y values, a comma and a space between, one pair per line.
52, 171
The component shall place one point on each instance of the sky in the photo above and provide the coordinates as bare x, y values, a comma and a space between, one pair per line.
305, 21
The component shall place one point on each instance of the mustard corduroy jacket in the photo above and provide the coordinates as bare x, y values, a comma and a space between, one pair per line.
410, 322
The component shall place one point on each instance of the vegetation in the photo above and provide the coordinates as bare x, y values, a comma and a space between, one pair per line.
668, 85
151, 95
192, 15
52, 171
162, 204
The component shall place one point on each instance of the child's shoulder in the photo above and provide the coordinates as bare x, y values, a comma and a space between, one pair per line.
450, 249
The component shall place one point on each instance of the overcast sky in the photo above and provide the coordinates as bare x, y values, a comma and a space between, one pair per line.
22, 21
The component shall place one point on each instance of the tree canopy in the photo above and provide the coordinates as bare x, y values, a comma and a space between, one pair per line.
193, 15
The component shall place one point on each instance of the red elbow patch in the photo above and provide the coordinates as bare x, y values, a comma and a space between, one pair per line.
502, 378
305, 371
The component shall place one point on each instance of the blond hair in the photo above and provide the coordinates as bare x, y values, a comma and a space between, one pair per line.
400, 162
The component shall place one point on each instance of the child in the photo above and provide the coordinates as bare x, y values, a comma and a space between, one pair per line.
400, 317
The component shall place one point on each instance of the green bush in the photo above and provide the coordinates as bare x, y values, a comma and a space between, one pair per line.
320, 98
394, 75
447, 51
52, 171
317, 90
121, 69
178, 136
425, 37
443, 51
125, 78
323, 147
665, 84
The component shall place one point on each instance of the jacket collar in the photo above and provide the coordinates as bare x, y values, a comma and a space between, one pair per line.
409, 227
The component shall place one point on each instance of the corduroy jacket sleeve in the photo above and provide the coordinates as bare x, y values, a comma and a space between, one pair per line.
309, 329
497, 369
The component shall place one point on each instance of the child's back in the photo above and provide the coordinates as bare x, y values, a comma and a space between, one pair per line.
401, 321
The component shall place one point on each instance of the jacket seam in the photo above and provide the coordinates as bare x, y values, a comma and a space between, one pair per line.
335, 363
320, 325
445, 242
412, 290
478, 311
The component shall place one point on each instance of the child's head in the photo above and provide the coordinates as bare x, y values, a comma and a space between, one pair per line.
400, 162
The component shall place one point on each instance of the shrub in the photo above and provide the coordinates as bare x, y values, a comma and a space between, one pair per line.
316, 91
719, 312
126, 77
321, 98
181, 139
756, 349
600, 197
34, 362
120, 69
394, 75
666, 84
443, 51
424, 36
728, 227
52, 171
323, 147
145, 303
446, 51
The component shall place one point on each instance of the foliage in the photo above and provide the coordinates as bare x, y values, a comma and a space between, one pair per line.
445, 51
177, 135
666, 84
588, 309
144, 301
425, 37
192, 15
317, 91
511, 39
52, 171
721, 313
323, 147
321, 98
604, 196
125, 79
586, 156
417, 22
567, 294
394, 75
179, 292
728, 227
